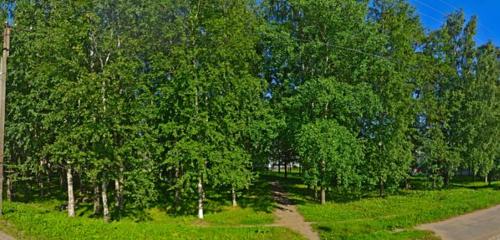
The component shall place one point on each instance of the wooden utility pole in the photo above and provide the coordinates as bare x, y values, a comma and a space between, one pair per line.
3, 86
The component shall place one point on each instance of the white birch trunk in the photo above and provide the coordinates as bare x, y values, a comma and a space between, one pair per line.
97, 200
233, 192
200, 198
71, 196
105, 208
323, 195
9, 189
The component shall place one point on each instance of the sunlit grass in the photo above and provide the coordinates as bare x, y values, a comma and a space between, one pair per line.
47, 219
392, 217
38, 221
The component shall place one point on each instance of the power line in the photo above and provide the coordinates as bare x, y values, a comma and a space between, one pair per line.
486, 28
431, 17
449, 4
440, 22
431, 7
359, 51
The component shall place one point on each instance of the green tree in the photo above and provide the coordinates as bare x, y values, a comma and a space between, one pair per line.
451, 51
480, 124
331, 155
393, 78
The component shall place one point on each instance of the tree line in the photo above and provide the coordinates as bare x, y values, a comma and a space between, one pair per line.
126, 104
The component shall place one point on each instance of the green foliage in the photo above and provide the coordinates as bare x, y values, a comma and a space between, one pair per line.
182, 102
481, 129
330, 155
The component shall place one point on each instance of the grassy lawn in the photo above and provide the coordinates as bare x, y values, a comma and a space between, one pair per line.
45, 220
38, 221
392, 217
371, 217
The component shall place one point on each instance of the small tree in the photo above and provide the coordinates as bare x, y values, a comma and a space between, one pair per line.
232, 169
330, 155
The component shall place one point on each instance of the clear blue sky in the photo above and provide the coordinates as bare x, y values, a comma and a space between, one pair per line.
433, 12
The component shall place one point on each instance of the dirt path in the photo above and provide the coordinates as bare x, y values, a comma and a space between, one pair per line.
4, 236
479, 225
288, 216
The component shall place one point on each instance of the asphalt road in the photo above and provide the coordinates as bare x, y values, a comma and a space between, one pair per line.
479, 225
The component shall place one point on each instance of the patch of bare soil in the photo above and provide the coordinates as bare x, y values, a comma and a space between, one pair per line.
288, 216
4, 236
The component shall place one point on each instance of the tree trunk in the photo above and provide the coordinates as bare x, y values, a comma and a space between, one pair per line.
279, 166
286, 170
381, 188
323, 195
200, 198
41, 185
233, 192
97, 200
71, 196
315, 193
176, 193
446, 179
81, 188
105, 208
486, 179
9, 189
61, 179
119, 193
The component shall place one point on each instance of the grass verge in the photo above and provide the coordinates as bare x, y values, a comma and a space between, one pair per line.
393, 217
41, 221
44, 219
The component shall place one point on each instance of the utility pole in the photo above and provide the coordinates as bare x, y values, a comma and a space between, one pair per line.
3, 86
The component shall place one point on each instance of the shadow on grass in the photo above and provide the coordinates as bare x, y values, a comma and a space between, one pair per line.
300, 194
258, 198
325, 228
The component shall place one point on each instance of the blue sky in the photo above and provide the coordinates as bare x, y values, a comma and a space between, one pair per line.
433, 12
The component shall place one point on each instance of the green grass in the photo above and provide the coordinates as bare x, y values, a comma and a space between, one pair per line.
41, 221
392, 217
237, 216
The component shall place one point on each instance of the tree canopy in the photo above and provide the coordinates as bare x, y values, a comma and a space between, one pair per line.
129, 104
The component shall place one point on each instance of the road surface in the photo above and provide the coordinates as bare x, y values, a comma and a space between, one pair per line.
479, 225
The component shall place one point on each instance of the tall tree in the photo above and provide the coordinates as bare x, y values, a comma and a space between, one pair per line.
481, 121
393, 78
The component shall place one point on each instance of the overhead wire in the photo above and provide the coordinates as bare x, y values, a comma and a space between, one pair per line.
359, 51
443, 14
448, 4
486, 28
431, 7
430, 17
